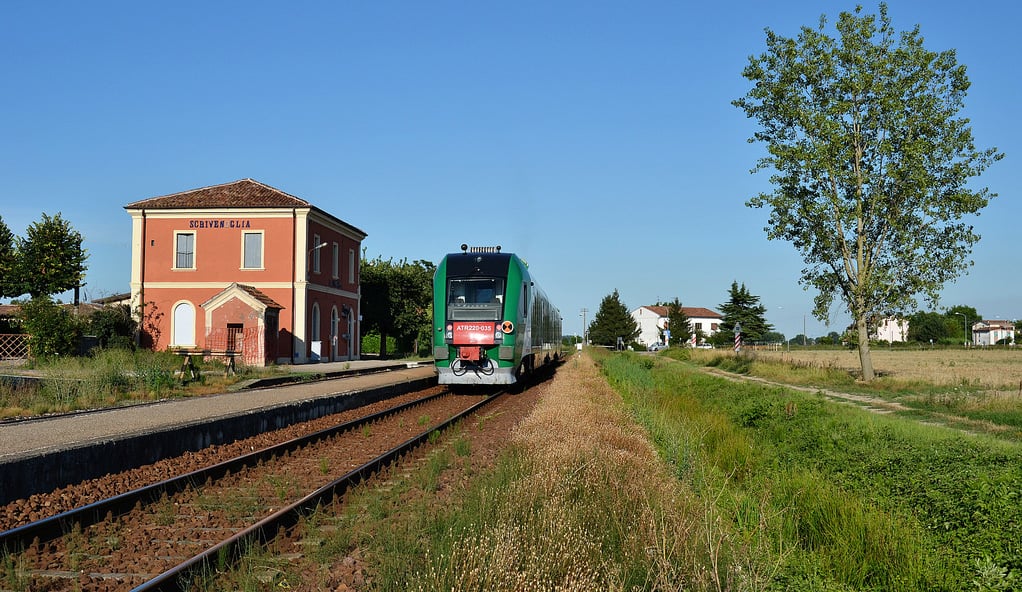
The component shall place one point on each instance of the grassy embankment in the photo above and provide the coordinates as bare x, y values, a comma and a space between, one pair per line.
979, 390
726, 486
111, 377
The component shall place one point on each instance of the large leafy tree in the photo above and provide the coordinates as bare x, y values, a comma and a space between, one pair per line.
743, 307
612, 322
397, 299
10, 285
50, 257
928, 327
871, 161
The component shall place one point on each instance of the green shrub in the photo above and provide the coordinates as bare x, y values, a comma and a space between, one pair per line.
52, 330
371, 344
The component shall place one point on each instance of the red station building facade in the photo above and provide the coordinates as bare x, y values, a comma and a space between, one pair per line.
246, 268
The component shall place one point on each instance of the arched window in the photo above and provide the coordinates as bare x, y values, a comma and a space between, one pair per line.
183, 325
314, 329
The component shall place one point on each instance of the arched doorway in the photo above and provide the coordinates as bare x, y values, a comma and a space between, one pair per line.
334, 318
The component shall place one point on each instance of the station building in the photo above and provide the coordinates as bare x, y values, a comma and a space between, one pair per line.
248, 269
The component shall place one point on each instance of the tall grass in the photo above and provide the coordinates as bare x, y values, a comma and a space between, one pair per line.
107, 378
854, 500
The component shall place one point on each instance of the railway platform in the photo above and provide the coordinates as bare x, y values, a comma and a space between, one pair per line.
42, 454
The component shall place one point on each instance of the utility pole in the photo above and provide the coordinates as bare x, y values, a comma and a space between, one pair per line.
585, 340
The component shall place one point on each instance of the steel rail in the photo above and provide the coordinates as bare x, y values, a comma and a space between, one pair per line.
17, 539
229, 551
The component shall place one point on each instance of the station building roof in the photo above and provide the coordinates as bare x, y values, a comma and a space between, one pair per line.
244, 193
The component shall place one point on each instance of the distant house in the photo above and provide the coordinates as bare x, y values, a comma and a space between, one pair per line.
652, 319
115, 300
892, 330
991, 332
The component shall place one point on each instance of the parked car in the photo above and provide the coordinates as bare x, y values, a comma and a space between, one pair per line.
655, 347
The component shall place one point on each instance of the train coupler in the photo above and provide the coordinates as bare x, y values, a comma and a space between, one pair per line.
471, 353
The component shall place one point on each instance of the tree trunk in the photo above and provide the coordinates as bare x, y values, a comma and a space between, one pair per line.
864, 356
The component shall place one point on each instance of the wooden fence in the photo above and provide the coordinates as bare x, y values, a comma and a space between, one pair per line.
247, 344
13, 347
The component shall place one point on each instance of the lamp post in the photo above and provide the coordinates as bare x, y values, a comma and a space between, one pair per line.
308, 258
965, 319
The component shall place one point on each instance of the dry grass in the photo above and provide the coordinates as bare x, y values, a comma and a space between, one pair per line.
992, 369
594, 507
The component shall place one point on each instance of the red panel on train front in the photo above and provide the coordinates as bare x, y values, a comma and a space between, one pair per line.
473, 333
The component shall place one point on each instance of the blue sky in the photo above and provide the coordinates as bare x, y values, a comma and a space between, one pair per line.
596, 139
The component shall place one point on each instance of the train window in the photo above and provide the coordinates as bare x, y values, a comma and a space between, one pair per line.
476, 291
475, 299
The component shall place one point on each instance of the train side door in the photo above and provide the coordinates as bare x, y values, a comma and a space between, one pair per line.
525, 330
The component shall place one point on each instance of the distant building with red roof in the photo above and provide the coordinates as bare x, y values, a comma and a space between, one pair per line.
651, 321
247, 268
991, 332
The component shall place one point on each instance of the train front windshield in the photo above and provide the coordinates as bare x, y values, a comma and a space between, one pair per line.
475, 299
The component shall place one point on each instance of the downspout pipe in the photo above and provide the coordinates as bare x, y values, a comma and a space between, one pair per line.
294, 288
141, 285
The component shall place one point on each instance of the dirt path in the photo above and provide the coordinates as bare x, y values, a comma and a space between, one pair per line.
877, 405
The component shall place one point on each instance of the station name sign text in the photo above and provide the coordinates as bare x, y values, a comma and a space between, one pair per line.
221, 223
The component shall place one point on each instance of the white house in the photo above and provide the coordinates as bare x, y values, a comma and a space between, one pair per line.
651, 321
990, 332
891, 330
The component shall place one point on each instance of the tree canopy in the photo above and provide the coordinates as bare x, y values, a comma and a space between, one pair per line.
871, 160
612, 322
49, 260
10, 286
397, 300
928, 327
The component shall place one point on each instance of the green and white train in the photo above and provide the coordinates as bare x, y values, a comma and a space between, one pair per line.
492, 324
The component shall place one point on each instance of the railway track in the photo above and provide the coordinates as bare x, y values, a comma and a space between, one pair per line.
159, 536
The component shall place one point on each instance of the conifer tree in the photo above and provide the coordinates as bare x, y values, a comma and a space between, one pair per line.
742, 307
678, 323
612, 322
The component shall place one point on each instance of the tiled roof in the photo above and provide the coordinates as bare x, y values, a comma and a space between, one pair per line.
699, 312
690, 312
245, 193
255, 293
993, 325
